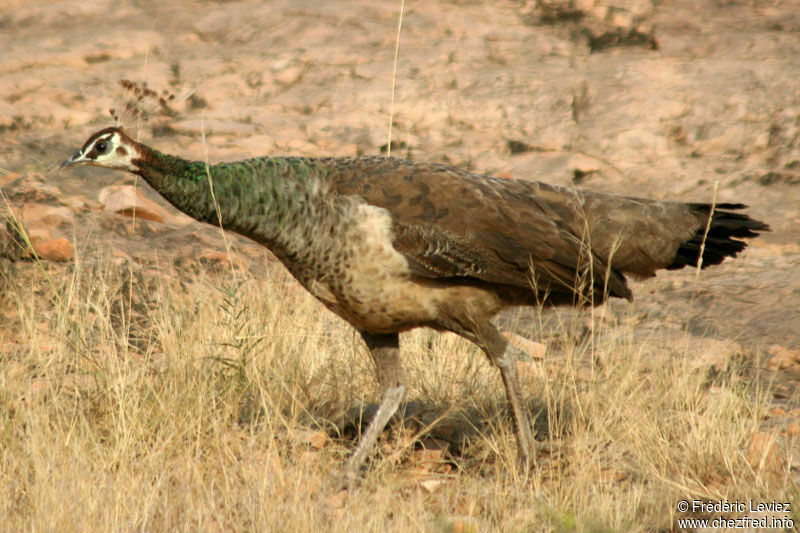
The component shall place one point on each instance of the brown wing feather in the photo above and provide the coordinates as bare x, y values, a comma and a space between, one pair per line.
451, 223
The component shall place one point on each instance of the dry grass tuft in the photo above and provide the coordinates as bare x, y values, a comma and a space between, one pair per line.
135, 401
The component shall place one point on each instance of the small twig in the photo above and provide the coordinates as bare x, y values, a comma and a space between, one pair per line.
708, 228
394, 76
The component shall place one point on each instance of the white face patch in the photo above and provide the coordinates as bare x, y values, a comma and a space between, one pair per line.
109, 151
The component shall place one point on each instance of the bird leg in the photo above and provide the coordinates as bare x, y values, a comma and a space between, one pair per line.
385, 351
501, 354
508, 370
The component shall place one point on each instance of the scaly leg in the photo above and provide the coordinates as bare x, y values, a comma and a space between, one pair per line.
385, 351
508, 370
502, 355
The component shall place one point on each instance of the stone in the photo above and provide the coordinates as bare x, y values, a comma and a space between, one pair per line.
431, 453
54, 249
530, 370
34, 214
219, 260
289, 76
763, 454
781, 358
457, 524
713, 353
5, 179
128, 200
793, 429
776, 412
431, 485
313, 438
44, 226
533, 349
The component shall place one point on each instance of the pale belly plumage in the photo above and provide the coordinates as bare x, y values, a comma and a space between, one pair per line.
368, 283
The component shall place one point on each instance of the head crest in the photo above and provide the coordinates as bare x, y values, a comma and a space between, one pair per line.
141, 103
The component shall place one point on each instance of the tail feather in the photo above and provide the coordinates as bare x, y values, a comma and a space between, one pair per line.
720, 238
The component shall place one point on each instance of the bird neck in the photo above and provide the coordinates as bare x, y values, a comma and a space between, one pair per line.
276, 201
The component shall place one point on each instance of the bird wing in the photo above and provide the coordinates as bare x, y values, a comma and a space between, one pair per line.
450, 223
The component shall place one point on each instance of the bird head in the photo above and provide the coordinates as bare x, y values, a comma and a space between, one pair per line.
110, 148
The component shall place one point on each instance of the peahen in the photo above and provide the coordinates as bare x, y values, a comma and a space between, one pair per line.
390, 245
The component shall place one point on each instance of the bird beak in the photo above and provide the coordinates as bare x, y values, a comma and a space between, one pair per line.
73, 160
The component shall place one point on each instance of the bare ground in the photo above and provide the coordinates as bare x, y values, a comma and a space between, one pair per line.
672, 100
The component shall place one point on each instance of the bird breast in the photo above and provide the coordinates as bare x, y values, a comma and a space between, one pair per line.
361, 276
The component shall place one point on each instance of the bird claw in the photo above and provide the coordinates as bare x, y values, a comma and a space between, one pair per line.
349, 477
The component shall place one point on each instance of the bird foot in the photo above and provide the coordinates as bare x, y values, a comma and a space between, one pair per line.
388, 407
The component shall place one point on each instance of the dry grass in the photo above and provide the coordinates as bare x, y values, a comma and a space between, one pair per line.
135, 400
142, 403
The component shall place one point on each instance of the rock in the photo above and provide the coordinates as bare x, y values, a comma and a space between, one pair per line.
75, 203
643, 142
31, 188
128, 200
43, 225
582, 165
431, 454
431, 485
605, 24
11, 246
456, 524
219, 260
8, 178
713, 353
613, 475
782, 391
337, 500
54, 250
763, 454
781, 358
290, 75
530, 370
47, 215
581, 101
370, 70
730, 140
314, 438
256, 144
533, 349
286, 71
792, 430
776, 412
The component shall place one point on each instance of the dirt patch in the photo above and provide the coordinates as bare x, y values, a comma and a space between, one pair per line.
666, 100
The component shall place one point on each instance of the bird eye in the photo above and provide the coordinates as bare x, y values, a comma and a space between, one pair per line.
101, 147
